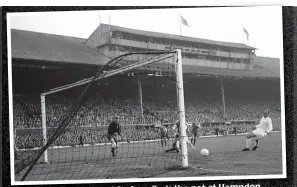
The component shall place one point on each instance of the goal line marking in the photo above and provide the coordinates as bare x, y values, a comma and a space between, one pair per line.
227, 171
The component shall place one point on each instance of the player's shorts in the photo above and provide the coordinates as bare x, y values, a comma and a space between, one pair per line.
111, 137
259, 133
195, 133
164, 134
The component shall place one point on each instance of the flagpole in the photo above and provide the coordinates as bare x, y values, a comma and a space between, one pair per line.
255, 45
109, 26
100, 26
180, 29
109, 22
242, 34
243, 39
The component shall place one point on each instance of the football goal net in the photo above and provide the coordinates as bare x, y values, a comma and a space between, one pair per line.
68, 139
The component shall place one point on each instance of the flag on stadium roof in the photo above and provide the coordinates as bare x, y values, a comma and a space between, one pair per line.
246, 33
184, 21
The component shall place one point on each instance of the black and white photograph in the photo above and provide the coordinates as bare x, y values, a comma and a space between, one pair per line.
136, 95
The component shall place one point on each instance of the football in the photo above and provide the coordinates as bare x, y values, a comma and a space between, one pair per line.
204, 152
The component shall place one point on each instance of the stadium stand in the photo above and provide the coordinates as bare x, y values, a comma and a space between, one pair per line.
202, 106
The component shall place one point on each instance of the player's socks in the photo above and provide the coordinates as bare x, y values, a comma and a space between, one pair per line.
248, 143
257, 145
162, 143
112, 151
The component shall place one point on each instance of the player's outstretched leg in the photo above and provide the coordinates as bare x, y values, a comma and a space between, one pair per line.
171, 149
257, 145
174, 148
194, 139
248, 141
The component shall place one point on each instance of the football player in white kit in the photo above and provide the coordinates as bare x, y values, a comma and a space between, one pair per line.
260, 131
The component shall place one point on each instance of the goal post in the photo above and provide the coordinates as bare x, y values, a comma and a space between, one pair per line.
181, 106
43, 125
167, 62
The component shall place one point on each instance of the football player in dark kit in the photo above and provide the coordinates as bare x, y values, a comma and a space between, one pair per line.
235, 130
195, 129
81, 142
114, 128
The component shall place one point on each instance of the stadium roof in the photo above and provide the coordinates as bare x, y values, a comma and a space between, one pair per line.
173, 37
48, 47
264, 67
29, 45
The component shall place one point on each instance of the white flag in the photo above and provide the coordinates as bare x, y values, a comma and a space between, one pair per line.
184, 21
246, 33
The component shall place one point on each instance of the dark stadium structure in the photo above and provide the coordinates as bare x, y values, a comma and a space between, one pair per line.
225, 85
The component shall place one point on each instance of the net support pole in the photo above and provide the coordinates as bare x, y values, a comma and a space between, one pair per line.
223, 99
181, 105
43, 121
140, 96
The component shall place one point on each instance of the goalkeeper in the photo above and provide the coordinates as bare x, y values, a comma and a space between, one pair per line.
114, 128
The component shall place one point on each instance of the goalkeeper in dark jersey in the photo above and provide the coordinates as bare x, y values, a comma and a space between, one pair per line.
114, 128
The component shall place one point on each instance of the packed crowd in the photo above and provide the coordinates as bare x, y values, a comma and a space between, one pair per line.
97, 111
91, 136
95, 135
95, 115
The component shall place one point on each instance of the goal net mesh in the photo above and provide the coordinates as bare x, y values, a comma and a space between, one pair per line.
77, 119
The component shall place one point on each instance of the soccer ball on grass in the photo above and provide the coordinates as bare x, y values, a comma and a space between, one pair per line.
204, 152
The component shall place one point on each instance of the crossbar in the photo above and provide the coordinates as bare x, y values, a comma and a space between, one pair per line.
107, 74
